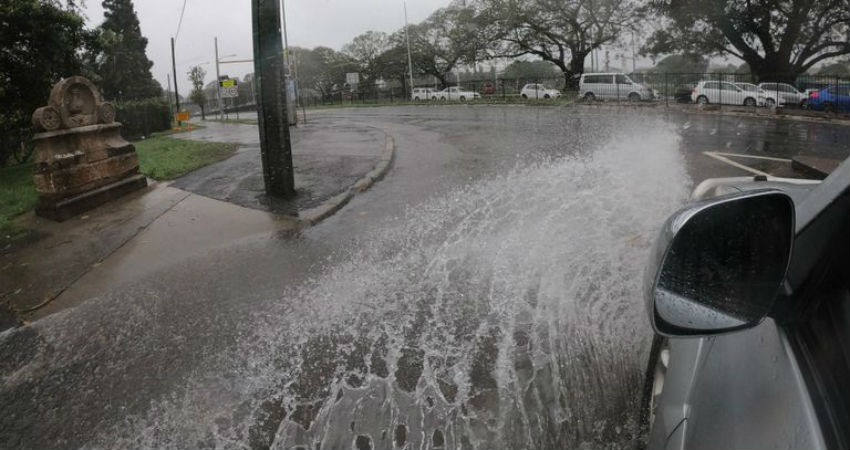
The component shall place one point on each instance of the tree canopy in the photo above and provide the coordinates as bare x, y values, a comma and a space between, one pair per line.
198, 97
562, 32
40, 43
779, 39
124, 68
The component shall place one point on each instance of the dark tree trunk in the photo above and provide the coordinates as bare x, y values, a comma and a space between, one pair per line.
576, 69
773, 70
203, 114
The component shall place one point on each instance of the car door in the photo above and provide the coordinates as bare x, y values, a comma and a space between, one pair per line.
731, 94
711, 90
790, 95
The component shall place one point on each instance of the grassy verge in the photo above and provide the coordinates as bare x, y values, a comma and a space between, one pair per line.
17, 196
162, 158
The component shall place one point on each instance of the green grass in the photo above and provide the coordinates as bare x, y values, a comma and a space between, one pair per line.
17, 196
164, 158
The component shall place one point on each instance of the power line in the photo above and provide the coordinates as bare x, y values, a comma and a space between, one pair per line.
180, 23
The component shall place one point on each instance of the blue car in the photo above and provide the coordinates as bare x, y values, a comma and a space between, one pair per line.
832, 98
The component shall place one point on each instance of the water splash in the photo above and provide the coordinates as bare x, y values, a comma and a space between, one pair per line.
507, 314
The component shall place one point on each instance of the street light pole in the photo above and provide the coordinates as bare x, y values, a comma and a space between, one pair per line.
409, 58
217, 80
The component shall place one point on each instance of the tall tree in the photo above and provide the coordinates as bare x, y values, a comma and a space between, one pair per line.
40, 42
322, 68
562, 32
123, 65
686, 63
365, 49
198, 96
779, 39
450, 37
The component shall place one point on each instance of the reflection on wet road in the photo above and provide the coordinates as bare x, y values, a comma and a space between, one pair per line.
486, 295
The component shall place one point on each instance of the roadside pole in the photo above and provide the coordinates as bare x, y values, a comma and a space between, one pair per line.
217, 80
176, 94
275, 145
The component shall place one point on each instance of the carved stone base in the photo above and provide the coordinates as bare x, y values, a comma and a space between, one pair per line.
64, 209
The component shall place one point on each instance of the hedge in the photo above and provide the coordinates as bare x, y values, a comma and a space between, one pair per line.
142, 117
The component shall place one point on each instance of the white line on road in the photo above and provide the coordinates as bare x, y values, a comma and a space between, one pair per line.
721, 158
739, 155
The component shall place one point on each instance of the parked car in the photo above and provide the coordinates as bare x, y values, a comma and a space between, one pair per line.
724, 93
768, 99
748, 292
612, 86
832, 98
788, 94
682, 93
423, 94
455, 93
538, 91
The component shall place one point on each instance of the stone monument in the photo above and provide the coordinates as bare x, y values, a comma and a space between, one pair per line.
81, 160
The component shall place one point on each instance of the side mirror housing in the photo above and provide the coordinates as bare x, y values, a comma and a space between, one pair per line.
719, 264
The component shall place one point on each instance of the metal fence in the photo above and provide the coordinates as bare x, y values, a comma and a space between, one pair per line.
808, 92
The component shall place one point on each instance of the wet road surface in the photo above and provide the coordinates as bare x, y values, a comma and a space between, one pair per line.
486, 294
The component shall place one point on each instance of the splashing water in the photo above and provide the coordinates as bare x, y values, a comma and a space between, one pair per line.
507, 314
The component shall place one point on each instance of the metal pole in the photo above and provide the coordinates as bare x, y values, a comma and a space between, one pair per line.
168, 95
217, 80
275, 144
634, 64
409, 58
176, 94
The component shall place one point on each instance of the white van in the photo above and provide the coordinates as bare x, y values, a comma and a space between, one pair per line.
612, 86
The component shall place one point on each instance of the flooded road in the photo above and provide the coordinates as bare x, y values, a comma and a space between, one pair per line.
485, 295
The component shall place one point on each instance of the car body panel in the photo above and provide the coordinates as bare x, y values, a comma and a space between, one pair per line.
455, 93
722, 93
612, 86
747, 389
836, 96
538, 91
422, 94
789, 94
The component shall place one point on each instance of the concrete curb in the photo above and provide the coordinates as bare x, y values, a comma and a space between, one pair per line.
315, 215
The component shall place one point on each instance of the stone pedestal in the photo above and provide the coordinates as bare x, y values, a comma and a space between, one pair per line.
81, 160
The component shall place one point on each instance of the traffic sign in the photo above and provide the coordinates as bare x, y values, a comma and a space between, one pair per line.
229, 92
352, 78
182, 116
227, 83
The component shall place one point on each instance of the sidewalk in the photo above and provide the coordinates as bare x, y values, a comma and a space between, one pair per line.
59, 265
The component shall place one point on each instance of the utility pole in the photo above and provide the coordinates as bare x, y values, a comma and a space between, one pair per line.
634, 64
217, 79
409, 58
275, 145
168, 95
176, 94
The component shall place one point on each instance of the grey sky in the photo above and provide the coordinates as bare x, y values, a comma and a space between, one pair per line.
310, 23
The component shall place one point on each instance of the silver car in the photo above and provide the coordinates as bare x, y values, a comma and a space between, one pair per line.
749, 295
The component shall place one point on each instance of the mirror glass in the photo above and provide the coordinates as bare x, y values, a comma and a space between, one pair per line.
725, 264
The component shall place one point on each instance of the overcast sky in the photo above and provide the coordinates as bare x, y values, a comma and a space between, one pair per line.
310, 23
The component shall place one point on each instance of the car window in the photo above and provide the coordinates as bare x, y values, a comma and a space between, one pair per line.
730, 87
787, 89
768, 86
840, 90
711, 85
621, 79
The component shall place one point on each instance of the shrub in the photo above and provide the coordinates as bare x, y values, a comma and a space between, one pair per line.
143, 117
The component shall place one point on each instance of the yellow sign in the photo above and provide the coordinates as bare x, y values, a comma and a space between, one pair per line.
228, 83
182, 116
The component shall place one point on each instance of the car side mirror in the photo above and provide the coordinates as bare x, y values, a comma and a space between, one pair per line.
719, 264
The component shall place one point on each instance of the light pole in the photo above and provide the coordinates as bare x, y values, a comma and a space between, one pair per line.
409, 58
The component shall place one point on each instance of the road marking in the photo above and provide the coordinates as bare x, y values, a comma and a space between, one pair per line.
722, 158
739, 155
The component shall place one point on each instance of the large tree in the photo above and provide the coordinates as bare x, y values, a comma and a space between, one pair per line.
366, 49
322, 68
124, 68
779, 39
562, 32
40, 43
450, 37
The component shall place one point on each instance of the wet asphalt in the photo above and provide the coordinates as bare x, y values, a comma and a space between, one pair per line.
485, 294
